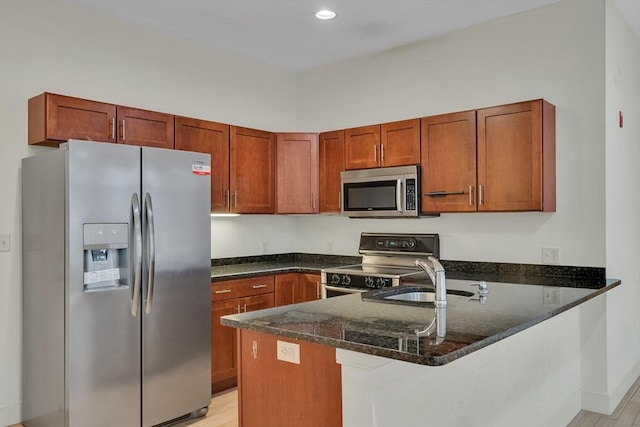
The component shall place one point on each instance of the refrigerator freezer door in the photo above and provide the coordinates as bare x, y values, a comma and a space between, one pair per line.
103, 337
176, 314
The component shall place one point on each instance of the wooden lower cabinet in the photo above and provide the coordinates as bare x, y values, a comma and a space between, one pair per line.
275, 393
223, 338
293, 288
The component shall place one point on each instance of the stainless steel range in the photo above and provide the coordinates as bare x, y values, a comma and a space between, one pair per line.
387, 260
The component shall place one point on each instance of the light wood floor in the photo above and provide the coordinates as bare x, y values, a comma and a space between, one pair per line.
223, 412
627, 414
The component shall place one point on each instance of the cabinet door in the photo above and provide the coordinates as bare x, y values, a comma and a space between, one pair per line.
297, 173
257, 302
308, 288
516, 157
55, 118
400, 143
286, 285
252, 172
223, 346
275, 393
362, 147
208, 137
448, 163
331, 148
146, 128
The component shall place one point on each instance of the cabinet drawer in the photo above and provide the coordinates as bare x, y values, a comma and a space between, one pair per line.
241, 288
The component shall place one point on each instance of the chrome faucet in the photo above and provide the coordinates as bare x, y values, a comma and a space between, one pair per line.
436, 274
439, 322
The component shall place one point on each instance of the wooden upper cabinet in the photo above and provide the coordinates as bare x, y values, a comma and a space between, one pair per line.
361, 147
252, 170
213, 138
448, 165
146, 128
400, 143
388, 144
56, 118
297, 173
331, 149
516, 157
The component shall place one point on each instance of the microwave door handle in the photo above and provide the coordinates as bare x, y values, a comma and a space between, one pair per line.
399, 195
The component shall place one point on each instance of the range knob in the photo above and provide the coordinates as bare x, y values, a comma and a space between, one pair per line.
369, 282
346, 279
381, 283
335, 279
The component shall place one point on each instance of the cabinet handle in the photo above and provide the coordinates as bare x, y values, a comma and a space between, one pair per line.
235, 199
238, 309
471, 195
227, 199
112, 128
375, 153
244, 308
382, 155
317, 290
123, 131
481, 195
223, 291
313, 201
339, 199
443, 193
259, 286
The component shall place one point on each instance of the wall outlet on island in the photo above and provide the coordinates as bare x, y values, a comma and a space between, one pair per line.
550, 255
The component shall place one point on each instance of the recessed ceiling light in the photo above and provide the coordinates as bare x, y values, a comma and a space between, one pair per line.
325, 14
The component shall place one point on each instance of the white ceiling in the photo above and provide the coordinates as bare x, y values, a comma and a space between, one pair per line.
286, 33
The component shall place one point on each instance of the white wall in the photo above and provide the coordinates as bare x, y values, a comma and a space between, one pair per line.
622, 202
62, 48
554, 52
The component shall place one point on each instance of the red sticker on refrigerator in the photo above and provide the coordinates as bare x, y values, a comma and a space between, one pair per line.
201, 169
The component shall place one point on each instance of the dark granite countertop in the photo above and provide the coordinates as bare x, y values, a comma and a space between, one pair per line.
385, 329
239, 268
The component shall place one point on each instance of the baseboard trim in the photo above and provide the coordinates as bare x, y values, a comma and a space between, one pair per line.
607, 403
10, 414
567, 413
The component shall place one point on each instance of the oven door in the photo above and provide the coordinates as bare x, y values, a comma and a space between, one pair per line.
328, 291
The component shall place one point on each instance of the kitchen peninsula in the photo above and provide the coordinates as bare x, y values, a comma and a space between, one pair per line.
390, 376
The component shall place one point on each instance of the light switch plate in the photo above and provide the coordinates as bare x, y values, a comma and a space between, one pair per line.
289, 352
5, 242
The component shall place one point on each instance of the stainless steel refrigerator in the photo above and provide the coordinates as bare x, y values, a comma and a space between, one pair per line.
116, 286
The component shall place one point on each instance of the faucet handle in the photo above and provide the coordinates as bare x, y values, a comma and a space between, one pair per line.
482, 287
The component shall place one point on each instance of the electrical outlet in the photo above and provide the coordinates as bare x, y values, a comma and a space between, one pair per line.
5, 242
551, 255
550, 295
289, 352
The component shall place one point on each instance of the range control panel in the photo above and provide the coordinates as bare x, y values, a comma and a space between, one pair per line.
390, 244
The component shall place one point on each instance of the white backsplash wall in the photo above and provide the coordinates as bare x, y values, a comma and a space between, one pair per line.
252, 235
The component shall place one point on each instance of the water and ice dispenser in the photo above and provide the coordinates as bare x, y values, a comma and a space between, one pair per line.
106, 256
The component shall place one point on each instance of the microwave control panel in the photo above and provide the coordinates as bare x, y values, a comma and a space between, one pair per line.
410, 195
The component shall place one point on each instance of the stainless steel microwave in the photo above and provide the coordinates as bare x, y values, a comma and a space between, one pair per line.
381, 192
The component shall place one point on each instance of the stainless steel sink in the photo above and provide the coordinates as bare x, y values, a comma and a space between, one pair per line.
411, 294
425, 296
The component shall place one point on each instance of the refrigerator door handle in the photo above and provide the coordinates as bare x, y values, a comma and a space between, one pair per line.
137, 258
151, 236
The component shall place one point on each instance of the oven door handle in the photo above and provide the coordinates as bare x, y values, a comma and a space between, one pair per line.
326, 288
